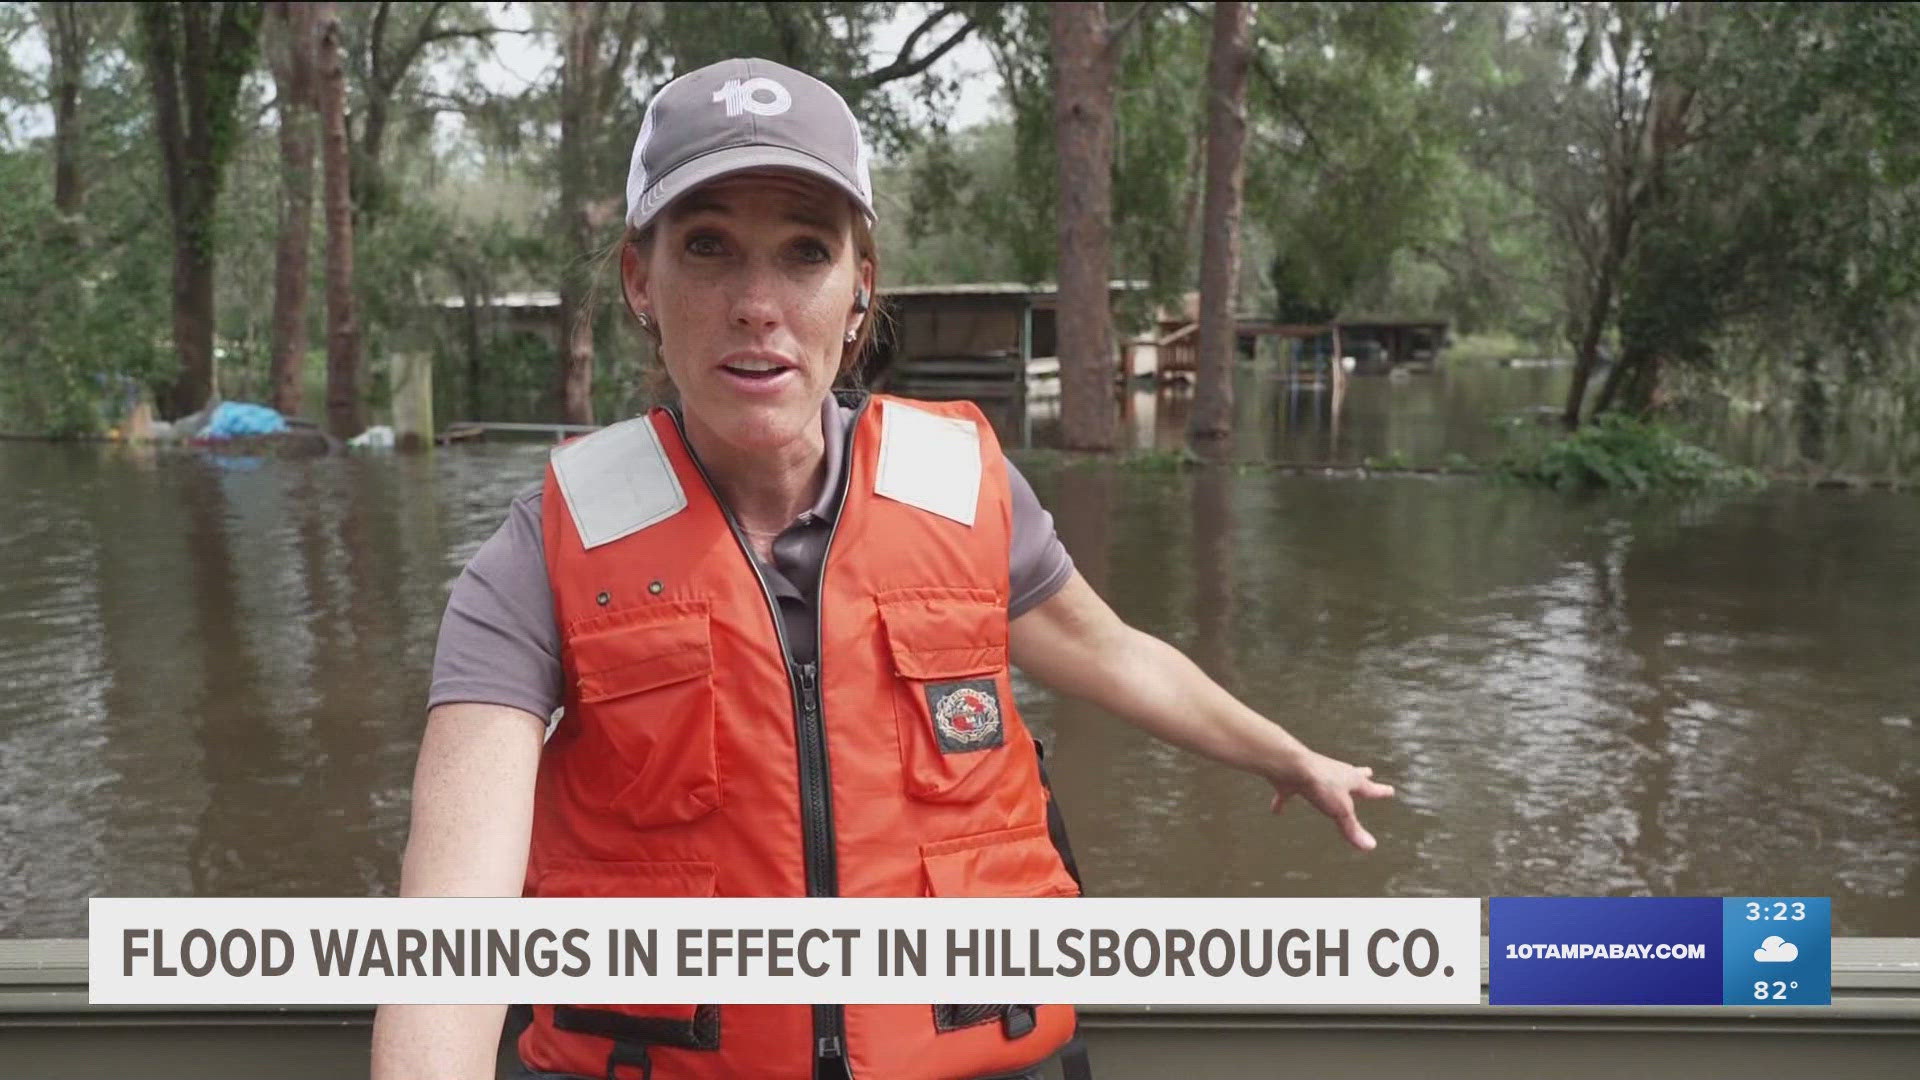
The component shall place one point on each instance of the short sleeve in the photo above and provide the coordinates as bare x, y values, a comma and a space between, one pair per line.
498, 642
1038, 564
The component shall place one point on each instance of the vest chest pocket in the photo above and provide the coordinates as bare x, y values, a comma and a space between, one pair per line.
643, 688
953, 698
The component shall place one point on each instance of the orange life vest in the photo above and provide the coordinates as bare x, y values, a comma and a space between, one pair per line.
695, 759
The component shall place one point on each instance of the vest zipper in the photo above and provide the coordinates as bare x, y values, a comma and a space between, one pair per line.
829, 1021
816, 796
816, 819
810, 733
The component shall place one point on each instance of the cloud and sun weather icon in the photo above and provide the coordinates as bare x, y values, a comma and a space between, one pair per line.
1778, 950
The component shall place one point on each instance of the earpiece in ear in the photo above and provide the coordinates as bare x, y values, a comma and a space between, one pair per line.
861, 300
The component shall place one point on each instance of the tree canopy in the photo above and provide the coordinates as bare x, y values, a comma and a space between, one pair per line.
1704, 203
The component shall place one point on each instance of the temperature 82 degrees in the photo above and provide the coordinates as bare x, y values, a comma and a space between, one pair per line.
1777, 950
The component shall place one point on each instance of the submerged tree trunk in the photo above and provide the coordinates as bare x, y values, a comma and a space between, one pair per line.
292, 58
197, 55
577, 128
66, 26
1812, 406
1587, 351
344, 415
1648, 131
1227, 65
471, 298
1610, 390
1633, 386
67, 55
1083, 65
1641, 394
1337, 378
600, 38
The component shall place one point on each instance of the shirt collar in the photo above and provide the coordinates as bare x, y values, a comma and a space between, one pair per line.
833, 425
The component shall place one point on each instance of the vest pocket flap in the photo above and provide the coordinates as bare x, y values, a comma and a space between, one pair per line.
633, 655
685, 1025
945, 635
1011, 862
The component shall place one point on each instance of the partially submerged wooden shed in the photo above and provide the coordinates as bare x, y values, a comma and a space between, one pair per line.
993, 343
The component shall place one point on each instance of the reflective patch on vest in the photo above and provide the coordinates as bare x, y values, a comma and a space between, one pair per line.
928, 461
966, 715
617, 481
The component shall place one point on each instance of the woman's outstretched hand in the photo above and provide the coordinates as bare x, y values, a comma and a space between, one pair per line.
1075, 644
1332, 787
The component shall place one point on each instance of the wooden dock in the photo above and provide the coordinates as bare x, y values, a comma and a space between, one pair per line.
466, 430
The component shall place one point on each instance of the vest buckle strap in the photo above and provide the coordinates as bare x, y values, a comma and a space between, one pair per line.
632, 1055
1015, 1020
701, 1032
1018, 1020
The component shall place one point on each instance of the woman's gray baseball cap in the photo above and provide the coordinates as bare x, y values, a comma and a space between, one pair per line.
739, 115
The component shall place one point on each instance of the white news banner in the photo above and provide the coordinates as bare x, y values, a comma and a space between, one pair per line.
1102, 950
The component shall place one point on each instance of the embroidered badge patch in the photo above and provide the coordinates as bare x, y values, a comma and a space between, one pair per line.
966, 715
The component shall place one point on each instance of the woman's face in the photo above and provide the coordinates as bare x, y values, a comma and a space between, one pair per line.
751, 281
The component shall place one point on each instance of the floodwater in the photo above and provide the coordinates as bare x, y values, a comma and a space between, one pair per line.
212, 670
1475, 412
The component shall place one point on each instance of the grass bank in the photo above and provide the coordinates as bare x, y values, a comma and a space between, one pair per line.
1619, 453
1490, 348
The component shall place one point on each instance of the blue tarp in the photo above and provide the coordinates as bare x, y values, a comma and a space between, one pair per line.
232, 419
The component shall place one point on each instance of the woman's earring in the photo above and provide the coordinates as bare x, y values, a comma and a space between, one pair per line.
851, 334
646, 321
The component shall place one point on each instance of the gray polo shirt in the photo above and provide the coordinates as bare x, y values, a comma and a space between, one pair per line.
499, 644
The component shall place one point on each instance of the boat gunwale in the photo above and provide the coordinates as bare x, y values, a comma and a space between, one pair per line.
1876, 984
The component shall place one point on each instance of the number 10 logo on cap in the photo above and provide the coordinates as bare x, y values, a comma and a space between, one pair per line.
759, 96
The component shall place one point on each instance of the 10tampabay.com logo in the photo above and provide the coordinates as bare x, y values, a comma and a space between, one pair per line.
1746, 950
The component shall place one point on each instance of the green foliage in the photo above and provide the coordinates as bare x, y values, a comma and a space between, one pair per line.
1782, 249
1162, 461
1445, 159
1487, 348
84, 299
515, 383
1342, 151
210, 122
1621, 453
391, 52
1017, 215
1340, 157
1159, 124
935, 208
833, 41
995, 190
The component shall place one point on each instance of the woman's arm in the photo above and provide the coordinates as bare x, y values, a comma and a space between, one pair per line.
472, 817
1074, 643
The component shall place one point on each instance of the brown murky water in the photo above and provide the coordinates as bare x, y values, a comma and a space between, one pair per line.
212, 673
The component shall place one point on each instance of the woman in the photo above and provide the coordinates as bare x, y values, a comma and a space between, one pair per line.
778, 625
